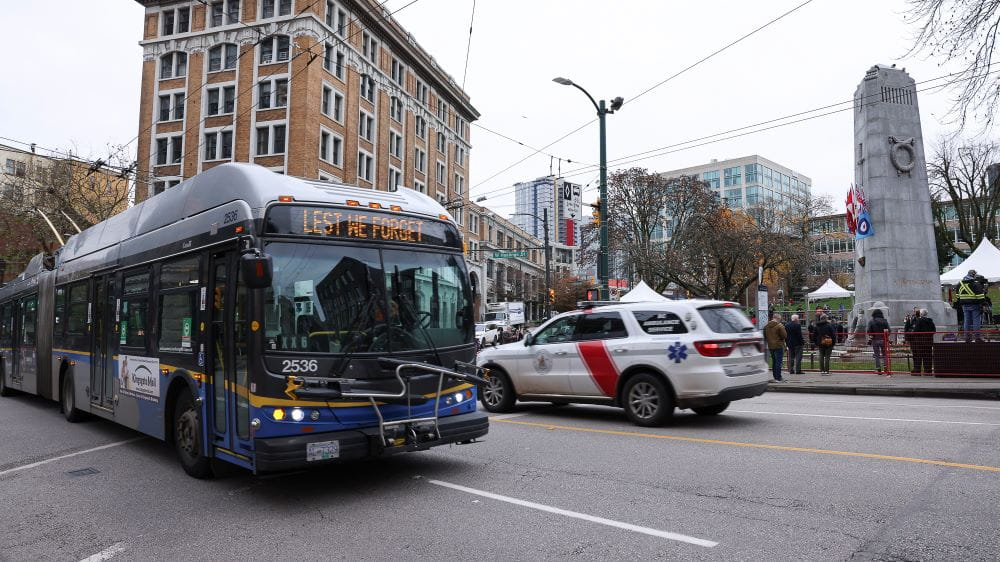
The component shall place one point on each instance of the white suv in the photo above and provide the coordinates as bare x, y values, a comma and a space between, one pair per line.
648, 358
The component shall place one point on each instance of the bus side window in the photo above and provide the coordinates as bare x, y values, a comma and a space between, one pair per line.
60, 322
76, 310
29, 310
177, 304
134, 311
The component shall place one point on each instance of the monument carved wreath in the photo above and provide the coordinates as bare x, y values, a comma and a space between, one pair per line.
902, 154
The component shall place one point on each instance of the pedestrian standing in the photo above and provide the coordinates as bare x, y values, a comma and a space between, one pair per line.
794, 342
910, 324
877, 328
972, 293
824, 340
923, 344
775, 335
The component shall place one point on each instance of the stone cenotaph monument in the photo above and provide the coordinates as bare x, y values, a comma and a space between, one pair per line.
897, 267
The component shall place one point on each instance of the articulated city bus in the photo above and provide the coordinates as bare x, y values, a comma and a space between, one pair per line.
259, 319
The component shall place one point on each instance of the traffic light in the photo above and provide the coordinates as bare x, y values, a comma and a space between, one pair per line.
593, 294
596, 212
552, 296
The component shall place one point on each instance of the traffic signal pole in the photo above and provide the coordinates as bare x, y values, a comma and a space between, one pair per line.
548, 274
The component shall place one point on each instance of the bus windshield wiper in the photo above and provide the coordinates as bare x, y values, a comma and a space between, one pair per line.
423, 330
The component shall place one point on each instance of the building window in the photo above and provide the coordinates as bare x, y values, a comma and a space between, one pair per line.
162, 185
336, 18
223, 12
365, 162
395, 179
441, 173
369, 46
398, 73
331, 147
333, 61
161, 151
267, 8
396, 109
441, 143
731, 176
221, 100
395, 144
419, 160
16, 168
270, 140
460, 155
169, 150
172, 106
419, 186
442, 111
176, 21
173, 65
222, 57
366, 126
460, 126
368, 88
459, 186
421, 92
421, 127
176, 149
325, 101
272, 93
274, 49
712, 179
219, 145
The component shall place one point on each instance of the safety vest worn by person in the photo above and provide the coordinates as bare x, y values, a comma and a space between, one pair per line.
970, 292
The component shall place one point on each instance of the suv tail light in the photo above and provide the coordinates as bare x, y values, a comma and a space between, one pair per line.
715, 348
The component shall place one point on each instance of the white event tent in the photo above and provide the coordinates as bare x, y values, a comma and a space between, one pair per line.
829, 290
643, 293
985, 260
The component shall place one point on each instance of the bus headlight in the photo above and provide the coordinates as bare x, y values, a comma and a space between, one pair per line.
459, 397
278, 414
298, 415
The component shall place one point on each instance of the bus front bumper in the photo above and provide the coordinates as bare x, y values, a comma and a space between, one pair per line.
288, 453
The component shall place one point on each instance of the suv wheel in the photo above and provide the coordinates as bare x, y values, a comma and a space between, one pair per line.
497, 395
713, 410
647, 400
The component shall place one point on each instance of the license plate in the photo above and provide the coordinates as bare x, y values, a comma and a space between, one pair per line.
323, 450
747, 350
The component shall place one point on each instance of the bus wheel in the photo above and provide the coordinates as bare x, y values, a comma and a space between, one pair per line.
68, 401
187, 438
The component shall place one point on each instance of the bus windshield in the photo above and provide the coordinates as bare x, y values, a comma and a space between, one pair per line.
344, 299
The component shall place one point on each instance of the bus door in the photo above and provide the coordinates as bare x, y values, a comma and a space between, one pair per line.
24, 376
226, 359
103, 337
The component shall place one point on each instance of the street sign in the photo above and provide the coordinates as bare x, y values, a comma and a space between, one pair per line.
510, 253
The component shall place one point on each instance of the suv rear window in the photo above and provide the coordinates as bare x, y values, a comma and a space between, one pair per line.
725, 319
653, 322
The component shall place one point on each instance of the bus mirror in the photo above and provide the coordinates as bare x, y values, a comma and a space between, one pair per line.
256, 270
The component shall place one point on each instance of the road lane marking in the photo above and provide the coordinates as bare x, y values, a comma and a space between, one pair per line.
508, 416
758, 446
859, 417
578, 515
867, 403
107, 553
61, 457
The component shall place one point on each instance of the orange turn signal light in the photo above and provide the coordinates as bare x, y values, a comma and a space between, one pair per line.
444, 217
239, 230
395, 207
353, 203
375, 205
286, 198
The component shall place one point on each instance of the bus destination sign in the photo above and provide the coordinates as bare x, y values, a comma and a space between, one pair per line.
359, 224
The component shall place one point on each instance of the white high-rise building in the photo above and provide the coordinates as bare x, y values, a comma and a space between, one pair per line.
563, 200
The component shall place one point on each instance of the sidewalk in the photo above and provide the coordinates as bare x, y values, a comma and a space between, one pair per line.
983, 388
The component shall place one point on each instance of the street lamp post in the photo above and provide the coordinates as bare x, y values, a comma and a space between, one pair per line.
602, 111
548, 279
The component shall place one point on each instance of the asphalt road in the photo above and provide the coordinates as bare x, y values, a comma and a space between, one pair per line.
783, 476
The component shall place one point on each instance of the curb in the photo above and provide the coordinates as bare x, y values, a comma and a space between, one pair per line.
964, 393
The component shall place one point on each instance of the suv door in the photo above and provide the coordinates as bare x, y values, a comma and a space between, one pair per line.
544, 367
599, 338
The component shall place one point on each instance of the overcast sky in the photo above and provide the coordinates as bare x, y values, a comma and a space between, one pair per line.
77, 84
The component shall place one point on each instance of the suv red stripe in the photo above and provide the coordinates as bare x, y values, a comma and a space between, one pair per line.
598, 361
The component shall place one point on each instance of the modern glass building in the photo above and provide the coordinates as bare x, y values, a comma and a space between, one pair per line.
750, 180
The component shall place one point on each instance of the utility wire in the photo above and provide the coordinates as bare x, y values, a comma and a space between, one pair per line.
654, 86
468, 46
515, 141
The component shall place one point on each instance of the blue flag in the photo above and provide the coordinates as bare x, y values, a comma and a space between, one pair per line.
864, 226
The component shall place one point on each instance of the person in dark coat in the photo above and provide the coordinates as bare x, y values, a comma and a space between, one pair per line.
877, 327
795, 343
923, 344
825, 338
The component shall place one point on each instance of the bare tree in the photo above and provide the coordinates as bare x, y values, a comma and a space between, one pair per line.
959, 176
966, 31
68, 192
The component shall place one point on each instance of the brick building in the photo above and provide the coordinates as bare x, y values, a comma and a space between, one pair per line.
334, 90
